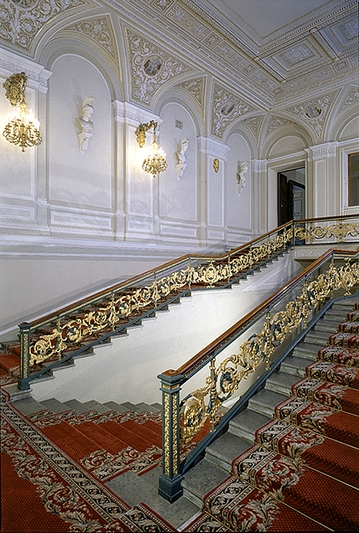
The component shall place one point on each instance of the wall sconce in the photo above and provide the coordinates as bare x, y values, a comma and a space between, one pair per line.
23, 128
155, 162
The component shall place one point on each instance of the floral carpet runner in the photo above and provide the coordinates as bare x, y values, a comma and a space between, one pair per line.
301, 474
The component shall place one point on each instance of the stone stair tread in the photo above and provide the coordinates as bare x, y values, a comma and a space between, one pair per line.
77, 406
225, 449
246, 423
97, 406
200, 479
29, 406
295, 365
114, 406
156, 407
281, 382
326, 325
55, 406
142, 407
129, 406
265, 401
307, 350
135, 489
317, 337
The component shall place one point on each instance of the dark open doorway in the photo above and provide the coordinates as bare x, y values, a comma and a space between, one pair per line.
291, 195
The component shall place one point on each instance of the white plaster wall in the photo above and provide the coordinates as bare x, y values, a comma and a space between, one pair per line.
83, 184
178, 197
239, 201
127, 369
17, 173
35, 286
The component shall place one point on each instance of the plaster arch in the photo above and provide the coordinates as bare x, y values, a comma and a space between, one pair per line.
238, 181
342, 113
179, 184
285, 139
168, 95
346, 126
79, 177
60, 47
239, 128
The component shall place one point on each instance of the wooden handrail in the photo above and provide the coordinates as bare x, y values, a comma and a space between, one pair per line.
193, 363
147, 274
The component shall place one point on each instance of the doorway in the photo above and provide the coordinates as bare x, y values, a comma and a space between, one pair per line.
291, 195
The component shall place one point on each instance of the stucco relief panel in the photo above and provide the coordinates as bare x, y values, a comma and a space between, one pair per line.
151, 67
21, 20
100, 31
226, 107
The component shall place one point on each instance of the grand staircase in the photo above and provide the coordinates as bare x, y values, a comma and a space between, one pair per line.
288, 462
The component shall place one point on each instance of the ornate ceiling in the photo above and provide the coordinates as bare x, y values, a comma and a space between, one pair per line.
262, 55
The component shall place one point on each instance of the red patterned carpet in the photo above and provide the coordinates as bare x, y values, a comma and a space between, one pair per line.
301, 474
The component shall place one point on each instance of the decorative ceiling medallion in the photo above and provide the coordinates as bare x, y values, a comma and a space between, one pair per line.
228, 108
26, 4
152, 65
313, 111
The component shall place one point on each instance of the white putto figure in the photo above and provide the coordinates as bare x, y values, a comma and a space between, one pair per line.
182, 159
86, 124
241, 175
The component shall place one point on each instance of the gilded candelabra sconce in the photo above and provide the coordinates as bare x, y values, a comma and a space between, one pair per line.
155, 162
23, 128
216, 164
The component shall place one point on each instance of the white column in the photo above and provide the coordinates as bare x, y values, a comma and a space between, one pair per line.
323, 180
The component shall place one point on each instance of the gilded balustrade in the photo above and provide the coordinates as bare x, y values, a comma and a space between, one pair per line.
69, 332
223, 381
54, 337
204, 403
339, 231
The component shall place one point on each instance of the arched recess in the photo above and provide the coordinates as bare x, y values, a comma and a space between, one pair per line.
239, 182
285, 150
179, 192
81, 185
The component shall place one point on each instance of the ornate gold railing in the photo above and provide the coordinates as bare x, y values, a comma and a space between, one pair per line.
275, 321
59, 336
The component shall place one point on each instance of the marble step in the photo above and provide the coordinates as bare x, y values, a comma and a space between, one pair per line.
265, 401
295, 365
307, 350
281, 382
319, 338
245, 424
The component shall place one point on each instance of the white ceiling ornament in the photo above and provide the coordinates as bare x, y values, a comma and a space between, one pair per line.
254, 124
21, 21
151, 68
314, 112
195, 87
99, 30
277, 122
351, 98
226, 108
